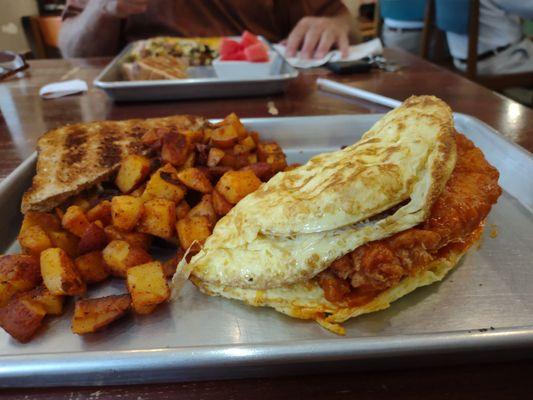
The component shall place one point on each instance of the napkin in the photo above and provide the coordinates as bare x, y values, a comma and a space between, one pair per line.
356, 52
64, 88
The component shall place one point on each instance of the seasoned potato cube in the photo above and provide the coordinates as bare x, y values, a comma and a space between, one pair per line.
133, 169
7, 290
235, 185
273, 154
92, 267
233, 119
195, 179
75, 220
262, 170
120, 256
94, 238
214, 156
136, 239
182, 209
252, 158
52, 304
100, 212
82, 202
59, 273
21, 318
164, 184
148, 287
34, 239
170, 265
91, 315
66, 241
158, 218
44, 220
220, 204
193, 230
244, 146
224, 137
126, 211
176, 148
189, 162
20, 270
205, 208
194, 136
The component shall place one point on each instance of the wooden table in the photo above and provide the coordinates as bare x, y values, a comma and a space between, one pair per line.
25, 116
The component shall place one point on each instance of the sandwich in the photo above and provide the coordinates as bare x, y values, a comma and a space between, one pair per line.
155, 68
77, 157
353, 230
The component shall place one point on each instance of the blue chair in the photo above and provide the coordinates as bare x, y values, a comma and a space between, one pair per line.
453, 15
403, 10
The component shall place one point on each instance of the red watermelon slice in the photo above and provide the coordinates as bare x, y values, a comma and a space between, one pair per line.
228, 49
256, 53
248, 39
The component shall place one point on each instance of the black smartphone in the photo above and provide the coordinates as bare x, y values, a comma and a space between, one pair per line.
349, 67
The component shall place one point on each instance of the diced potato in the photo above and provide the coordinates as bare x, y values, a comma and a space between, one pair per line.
100, 212
189, 162
182, 209
195, 179
136, 239
205, 208
233, 119
52, 304
91, 315
66, 241
75, 220
255, 137
81, 202
224, 137
148, 287
94, 238
133, 169
193, 230
164, 184
176, 148
59, 273
126, 211
20, 270
120, 256
220, 204
244, 146
252, 158
235, 185
214, 157
92, 267
7, 290
169, 266
262, 170
158, 218
44, 220
21, 318
34, 239
273, 154
194, 136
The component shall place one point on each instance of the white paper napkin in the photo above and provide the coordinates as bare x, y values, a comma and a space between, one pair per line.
371, 48
64, 88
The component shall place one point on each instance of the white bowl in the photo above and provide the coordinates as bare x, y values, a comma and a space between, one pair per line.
244, 69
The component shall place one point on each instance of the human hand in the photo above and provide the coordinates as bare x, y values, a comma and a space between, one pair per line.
124, 8
315, 36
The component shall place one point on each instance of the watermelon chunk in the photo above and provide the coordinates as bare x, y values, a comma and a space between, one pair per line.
248, 39
256, 53
228, 47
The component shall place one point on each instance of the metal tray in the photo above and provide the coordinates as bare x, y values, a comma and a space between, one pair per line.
203, 83
484, 307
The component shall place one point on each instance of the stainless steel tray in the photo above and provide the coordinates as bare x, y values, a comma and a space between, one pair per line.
484, 307
203, 83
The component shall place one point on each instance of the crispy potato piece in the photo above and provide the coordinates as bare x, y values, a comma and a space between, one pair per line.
133, 169
194, 136
220, 204
158, 218
193, 230
148, 287
244, 146
7, 290
82, 202
235, 185
189, 162
66, 241
233, 119
20, 270
34, 239
136, 239
182, 209
75, 220
126, 211
251, 158
214, 157
21, 318
262, 170
92, 267
94, 238
52, 304
164, 184
59, 273
272, 153
100, 212
170, 265
195, 179
120, 256
91, 315
46, 221
224, 137
176, 148
205, 208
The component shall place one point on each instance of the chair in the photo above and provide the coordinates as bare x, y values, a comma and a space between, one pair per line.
462, 17
42, 33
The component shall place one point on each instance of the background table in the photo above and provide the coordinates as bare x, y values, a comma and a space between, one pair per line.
25, 116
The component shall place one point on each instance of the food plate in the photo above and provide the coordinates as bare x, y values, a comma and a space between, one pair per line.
483, 307
202, 83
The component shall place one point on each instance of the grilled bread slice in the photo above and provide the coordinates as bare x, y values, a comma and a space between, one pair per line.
75, 157
154, 68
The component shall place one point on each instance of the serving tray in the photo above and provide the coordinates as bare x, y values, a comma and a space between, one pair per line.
202, 83
482, 308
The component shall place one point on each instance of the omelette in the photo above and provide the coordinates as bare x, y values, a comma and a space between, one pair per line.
353, 230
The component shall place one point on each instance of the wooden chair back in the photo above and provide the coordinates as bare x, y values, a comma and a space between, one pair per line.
42, 33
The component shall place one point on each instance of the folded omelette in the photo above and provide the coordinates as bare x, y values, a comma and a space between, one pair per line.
353, 230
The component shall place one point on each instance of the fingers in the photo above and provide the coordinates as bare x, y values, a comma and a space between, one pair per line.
344, 45
326, 41
311, 40
295, 39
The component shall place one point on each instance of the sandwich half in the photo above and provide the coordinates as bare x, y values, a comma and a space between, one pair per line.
353, 230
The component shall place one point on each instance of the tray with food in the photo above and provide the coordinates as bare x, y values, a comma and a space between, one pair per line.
171, 68
178, 248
